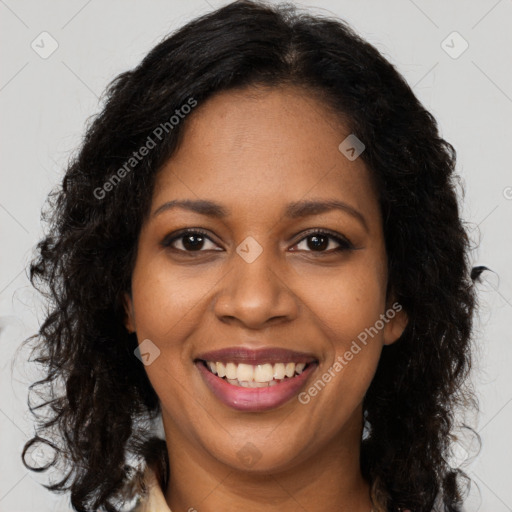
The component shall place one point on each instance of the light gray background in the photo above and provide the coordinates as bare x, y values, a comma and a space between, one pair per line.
45, 102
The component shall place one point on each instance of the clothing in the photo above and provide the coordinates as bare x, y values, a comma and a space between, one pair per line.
154, 500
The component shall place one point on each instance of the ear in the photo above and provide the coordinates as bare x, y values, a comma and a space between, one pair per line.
129, 321
396, 323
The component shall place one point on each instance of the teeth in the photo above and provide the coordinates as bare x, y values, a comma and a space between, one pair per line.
264, 373
231, 371
299, 368
289, 369
252, 384
255, 376
221, 370
279, 371
245, 372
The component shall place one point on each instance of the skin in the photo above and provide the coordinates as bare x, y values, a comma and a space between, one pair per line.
254, 151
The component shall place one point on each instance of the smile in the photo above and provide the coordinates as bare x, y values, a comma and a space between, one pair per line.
255, 376
255, 380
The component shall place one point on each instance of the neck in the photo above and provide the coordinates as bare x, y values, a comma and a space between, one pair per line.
329, 480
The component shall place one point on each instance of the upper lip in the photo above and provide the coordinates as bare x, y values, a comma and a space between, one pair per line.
256, 356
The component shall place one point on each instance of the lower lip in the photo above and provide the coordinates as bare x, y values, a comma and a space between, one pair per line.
254, 399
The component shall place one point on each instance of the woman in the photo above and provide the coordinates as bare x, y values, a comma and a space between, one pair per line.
260, 244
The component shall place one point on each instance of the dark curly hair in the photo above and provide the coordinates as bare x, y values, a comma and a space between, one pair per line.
97, 403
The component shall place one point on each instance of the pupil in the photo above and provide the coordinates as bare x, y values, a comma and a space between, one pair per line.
318, 242
189, 243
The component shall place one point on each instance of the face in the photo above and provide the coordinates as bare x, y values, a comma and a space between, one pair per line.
262, 256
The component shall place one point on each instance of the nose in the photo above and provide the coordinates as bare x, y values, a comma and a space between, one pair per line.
255, 295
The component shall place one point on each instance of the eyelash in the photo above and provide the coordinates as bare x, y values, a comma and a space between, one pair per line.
344, 243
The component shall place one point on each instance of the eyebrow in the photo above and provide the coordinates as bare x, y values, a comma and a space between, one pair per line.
295, 210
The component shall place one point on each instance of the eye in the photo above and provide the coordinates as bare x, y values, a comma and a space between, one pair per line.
190, 240
196, 240
322, 241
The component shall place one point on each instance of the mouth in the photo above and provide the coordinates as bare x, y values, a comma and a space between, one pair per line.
253, 381
255, 376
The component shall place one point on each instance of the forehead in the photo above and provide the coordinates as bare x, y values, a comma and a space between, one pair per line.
257, 148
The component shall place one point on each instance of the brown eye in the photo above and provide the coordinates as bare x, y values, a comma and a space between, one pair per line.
317, 242
189, 241
320, 241
192, 242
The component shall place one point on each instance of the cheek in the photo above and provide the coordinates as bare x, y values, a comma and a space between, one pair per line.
167, 308
347, 308
347, 302
166, 304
